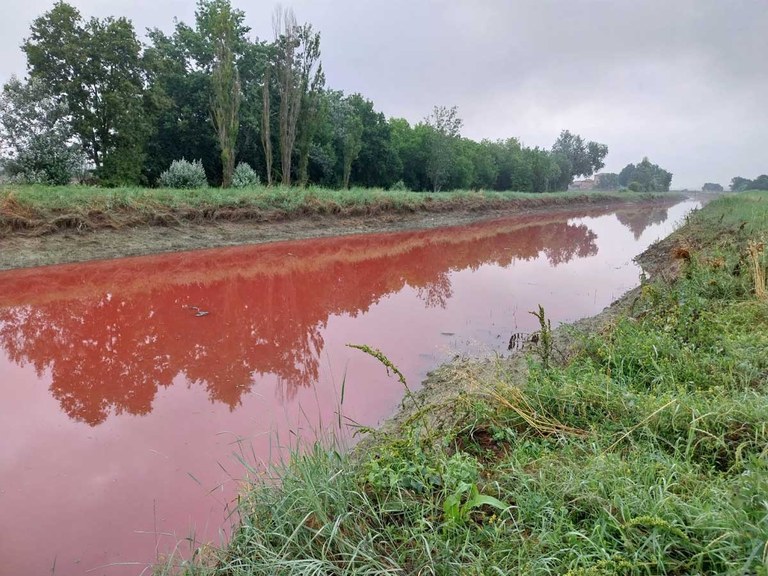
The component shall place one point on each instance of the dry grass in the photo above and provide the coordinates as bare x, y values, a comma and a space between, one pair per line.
755, 251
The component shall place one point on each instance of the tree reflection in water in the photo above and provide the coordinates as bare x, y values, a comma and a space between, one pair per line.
110, 333
637, 220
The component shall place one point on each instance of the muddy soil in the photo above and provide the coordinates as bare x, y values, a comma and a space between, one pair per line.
22, 251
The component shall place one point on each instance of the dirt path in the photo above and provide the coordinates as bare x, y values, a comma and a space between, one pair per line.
64, 247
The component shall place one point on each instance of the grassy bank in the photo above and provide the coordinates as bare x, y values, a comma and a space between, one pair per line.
645, 453
45, 210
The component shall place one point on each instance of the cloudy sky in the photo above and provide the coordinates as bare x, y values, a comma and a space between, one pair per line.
684, 82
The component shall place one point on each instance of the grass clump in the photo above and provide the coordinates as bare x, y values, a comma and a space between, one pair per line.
647, 453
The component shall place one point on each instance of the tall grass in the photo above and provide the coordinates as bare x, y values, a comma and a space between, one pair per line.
647, 453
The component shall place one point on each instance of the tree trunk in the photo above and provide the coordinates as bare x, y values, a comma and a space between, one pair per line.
347, 174
266, 125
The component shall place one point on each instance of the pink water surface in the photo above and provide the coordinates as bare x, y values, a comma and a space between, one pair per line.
121, 410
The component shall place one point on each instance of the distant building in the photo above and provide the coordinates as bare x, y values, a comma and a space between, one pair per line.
582, 185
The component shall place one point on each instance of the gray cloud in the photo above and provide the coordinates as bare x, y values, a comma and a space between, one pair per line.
683, 82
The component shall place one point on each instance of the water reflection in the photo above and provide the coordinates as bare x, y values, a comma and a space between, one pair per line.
111, 333
120, 409
639, 218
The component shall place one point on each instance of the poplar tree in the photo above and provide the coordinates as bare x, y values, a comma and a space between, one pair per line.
298, 69
225, 101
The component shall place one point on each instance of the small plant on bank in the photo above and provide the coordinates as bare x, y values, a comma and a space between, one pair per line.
184, 174
545, 336
391, 368
244, 176
399, 186
459, 505
755, 250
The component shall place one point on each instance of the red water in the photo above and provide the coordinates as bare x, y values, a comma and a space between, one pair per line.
120, 409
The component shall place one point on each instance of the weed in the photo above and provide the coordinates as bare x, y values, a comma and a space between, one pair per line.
379, 355
459, 505
545, 336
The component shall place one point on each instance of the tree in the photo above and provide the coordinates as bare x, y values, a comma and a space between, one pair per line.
94, 67
577, 157
266, 123
179, 93
759, 183
252, 66
340, 139
36, 135
350, 134
510, 167
645, 177
445, 125
626, 174
485, 167
410, 145
597, 153
377, 164
544, 170
607, 181
225, 80
711, 187
181, 70
309, 121
739, 184
297, 67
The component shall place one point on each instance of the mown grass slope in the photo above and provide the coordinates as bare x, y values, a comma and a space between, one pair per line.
46, 209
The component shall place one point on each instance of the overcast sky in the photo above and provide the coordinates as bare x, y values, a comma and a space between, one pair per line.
684, 82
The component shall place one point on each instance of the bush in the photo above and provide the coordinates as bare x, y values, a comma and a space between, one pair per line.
399, 186
184, 174
244, 176
45, 160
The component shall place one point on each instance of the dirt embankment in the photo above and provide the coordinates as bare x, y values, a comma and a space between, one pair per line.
24, 247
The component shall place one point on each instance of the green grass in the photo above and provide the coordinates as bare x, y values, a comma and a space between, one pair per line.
67, 197
45, 209
646, 454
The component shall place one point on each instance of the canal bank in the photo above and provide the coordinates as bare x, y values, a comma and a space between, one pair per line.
633, 443
123, 408
61, 226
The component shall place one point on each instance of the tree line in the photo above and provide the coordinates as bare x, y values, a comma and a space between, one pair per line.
100, 103
739, 184
641, 177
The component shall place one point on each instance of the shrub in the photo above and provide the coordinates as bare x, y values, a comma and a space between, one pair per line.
244, 176
399, 186
45, 160
184, 174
